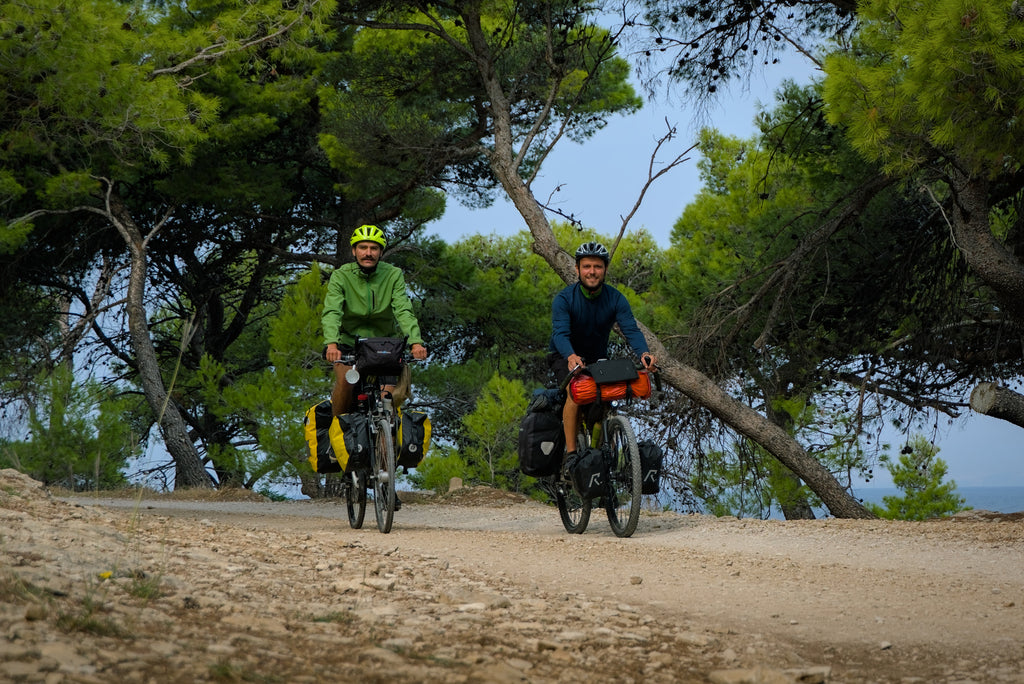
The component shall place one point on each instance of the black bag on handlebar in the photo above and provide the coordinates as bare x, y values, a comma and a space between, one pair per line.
612, 370
380, 355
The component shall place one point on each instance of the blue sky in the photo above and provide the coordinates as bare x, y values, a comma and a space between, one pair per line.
600, 182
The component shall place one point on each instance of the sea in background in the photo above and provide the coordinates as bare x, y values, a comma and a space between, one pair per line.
995, 499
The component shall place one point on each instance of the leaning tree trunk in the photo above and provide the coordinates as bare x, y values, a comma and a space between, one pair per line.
1000, 402
504, 164
753, 425
987, 256
189, 471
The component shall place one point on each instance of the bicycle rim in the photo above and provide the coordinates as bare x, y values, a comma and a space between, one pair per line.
355, 498
384, 475
572, 508
623, 501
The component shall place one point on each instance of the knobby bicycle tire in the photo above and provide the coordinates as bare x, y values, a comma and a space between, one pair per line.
573, 509
622, 503
383, 459
355, 498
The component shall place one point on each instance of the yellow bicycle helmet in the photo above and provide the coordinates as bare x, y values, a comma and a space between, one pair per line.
369, 233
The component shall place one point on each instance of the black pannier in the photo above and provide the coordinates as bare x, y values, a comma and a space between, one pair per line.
413, 438
318, 425
651, 457
541, 438
589, 472
353, 449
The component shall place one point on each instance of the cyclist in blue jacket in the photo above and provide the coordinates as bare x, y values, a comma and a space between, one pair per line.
582, 317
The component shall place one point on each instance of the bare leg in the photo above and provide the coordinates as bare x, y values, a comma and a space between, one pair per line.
341, 395
570, 423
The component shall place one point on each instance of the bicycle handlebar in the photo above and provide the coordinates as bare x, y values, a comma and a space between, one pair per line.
572, 373
653, 370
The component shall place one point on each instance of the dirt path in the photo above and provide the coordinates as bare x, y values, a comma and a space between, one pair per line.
487, 587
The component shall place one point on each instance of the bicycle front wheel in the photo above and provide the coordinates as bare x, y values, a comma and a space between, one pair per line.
384, 475
626, 485
355, 498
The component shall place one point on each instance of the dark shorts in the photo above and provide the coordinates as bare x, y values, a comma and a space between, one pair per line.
558, 366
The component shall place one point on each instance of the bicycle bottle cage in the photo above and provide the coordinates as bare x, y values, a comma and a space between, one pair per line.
615, 370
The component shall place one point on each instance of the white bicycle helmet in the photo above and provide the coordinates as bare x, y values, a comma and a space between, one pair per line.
593, 249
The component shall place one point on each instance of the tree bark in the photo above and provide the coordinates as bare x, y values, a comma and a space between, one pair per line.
996, 401
700, 388
189, 470
989, 258
752, 424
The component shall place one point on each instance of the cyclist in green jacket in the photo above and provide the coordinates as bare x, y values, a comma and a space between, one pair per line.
366, 298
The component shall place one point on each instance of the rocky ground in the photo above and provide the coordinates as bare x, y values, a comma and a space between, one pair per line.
482, 586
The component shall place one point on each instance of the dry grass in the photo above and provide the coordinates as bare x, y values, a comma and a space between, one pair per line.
229, 494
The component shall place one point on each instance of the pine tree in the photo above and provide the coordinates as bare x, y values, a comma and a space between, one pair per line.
919, 474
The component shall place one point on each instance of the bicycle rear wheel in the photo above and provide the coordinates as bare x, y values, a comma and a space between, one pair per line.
626, 486
573, 509
383, 475
355, 498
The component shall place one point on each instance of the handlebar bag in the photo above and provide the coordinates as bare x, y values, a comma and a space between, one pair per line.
614, 370
584, 388
639, 388
380, 355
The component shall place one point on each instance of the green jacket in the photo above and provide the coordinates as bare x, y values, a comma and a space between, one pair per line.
377, 305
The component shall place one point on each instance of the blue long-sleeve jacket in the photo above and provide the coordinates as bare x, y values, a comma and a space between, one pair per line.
581, 324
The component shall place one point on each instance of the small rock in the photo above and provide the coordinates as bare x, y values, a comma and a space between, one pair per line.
35, 612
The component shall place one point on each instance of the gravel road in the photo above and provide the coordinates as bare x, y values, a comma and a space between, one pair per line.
488, 587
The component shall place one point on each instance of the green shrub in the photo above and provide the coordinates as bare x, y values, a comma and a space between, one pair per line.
919, 474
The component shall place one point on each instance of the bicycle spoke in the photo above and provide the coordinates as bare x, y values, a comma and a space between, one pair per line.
383, 460
622, 502
572, 508
355, 498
